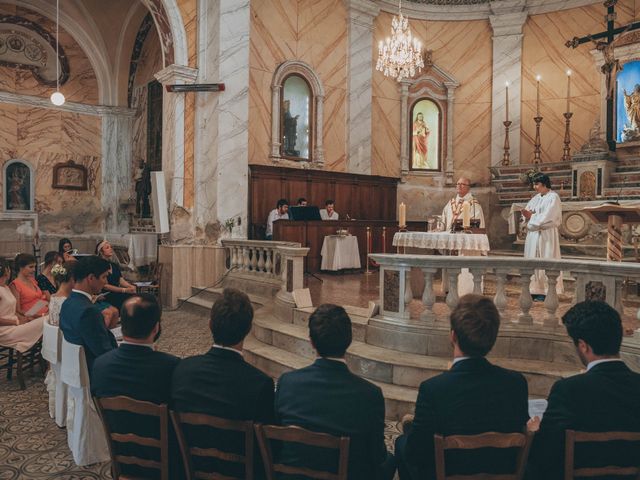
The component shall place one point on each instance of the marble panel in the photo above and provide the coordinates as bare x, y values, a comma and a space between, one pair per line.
411, 376
385, 142
39, 129
370, 369
260, 115
188, 9
273, 33
472, 141
8, 126
334, 138
80, 134
7, 79
532, 349
189, 128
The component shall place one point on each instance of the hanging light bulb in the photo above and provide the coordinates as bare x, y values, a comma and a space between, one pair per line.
57, 98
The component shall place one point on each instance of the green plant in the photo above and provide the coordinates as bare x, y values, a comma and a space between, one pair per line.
229, 223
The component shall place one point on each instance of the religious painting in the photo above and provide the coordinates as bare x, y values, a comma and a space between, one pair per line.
19, 186
425, 128
628, 103
295, 111
70, 176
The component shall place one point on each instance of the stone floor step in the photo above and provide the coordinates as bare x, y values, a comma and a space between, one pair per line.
359, 319
202, 299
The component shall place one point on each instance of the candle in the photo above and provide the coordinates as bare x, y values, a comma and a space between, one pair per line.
506, 100
402, 215
568, 90
466, 215
538, 95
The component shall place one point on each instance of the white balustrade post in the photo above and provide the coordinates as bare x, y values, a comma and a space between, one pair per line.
477, 280
254, 258
551, 301
501, 295
428, 295
292, 266
525, 318
268, 264
408, 293
452, 296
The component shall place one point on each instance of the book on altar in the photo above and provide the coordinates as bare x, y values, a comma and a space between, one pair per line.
39, 305
302, 297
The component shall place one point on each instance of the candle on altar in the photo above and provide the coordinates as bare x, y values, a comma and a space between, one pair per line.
402, 215
538, 95
568, 90
506, 100
466, 215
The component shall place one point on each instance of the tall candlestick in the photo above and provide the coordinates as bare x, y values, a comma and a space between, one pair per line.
402, 215
506, 100
568, 91
538, 95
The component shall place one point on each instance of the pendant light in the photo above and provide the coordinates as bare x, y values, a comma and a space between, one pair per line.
57, 98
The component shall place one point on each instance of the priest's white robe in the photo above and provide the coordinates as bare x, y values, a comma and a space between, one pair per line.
452, 211
543, 239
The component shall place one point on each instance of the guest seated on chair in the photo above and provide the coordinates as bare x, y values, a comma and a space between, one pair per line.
26, 290
327, 397
119, 289
66, 250
16, 330
45, 279
603, 399
63, 278
278, 213
473, 397
80, 320
328, 213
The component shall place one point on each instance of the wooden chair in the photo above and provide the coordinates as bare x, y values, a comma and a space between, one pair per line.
267, 433
188, 450
572, 437
126, 404
521, 441
10, 357
155, 277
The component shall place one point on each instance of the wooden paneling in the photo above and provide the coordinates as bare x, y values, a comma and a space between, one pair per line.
363, 197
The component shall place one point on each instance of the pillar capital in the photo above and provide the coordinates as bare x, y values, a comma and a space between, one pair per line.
177, 74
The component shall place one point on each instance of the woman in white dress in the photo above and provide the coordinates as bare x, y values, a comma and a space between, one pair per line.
64, 281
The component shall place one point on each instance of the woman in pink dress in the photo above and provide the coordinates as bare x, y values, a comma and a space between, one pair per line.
26, 290
16, 331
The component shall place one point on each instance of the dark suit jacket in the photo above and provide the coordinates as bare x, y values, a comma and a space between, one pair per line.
327, 397
83, 324
473, 397
221, 383
606, 398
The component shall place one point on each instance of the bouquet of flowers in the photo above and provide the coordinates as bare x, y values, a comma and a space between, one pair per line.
58, 272
527, 177
229, 224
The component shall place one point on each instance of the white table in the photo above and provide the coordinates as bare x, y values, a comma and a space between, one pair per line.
340, 251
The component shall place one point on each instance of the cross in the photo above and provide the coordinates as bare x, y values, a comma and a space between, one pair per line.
611, 65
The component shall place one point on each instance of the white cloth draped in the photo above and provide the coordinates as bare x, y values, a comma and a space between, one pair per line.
52, 352
543, 239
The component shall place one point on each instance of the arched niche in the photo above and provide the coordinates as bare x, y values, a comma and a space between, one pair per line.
19, 180
296, 69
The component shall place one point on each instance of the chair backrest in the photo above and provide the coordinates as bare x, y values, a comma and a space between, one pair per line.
572, 437
521, 441
189, 451
156, 271
293, 434
51, 343
137, 407
74, 371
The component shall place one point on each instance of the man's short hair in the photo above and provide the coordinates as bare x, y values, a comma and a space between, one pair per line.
282, 202
541, 178
476, 322
329, 202
330, 330
231, 317
139, 315
301, 200
597, 323
90, 265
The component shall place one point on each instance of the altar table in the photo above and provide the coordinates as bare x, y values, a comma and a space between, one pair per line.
339, 252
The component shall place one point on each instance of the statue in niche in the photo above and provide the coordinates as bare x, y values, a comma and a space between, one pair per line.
142, 179
18, 178
632, 109
290, 131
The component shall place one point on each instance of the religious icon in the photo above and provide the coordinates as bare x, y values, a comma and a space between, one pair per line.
425, 135
70, 176
18, 180
628, 102
295, 132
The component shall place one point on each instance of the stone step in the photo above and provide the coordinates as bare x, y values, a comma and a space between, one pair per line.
359, 319
203, 298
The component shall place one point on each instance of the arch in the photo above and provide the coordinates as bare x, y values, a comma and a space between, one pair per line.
173, 36
305, 71
17, 189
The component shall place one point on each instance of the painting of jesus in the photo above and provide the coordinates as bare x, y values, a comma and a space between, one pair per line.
425, 135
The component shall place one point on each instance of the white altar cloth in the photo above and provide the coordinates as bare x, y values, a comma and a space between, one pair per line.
142, 247
443, 241
340, 251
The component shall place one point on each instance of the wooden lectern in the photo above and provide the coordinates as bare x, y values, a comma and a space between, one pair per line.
614, 216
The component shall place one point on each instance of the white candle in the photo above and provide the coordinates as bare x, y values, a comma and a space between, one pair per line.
466, 215
568, 90
402, 215
538, 95
506, 100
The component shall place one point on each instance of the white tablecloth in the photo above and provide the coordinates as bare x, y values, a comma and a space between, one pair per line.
443, 241
340, 252
143, 247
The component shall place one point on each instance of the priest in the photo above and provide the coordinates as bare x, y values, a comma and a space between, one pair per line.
543, 215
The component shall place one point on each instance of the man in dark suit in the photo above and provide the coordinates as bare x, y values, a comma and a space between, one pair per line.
604, 398
327, 397
81, 321
473, 397
220, 382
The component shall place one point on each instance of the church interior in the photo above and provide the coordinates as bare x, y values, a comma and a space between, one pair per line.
172, 130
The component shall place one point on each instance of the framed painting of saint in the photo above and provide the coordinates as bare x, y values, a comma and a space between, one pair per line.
628, 103
425, 132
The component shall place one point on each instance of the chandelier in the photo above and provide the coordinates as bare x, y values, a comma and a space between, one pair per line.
400, 56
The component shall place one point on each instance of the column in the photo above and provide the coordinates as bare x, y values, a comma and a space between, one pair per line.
360, 71
507, 22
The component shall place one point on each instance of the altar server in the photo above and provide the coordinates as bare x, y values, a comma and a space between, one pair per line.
543, 215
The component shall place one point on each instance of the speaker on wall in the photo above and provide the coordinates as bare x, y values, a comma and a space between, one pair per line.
159, 202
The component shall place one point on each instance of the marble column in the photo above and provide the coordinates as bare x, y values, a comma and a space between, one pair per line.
507, 25
173, 108
360, 71
116, 168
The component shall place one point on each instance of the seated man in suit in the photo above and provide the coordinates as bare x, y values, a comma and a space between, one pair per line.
604, 398
81, 321
473, 397
220, 382
327, 397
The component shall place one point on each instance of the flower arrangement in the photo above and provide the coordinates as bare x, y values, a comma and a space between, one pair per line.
527, 177
229, 223
59, 272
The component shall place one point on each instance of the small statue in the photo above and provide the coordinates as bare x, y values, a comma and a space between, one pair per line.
142, 178
595, 143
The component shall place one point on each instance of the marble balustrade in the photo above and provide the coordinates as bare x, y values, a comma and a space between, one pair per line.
395, 287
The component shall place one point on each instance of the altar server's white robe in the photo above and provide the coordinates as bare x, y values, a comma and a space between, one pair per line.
543, 239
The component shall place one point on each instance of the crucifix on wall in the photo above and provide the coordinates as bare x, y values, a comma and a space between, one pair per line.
605, 42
